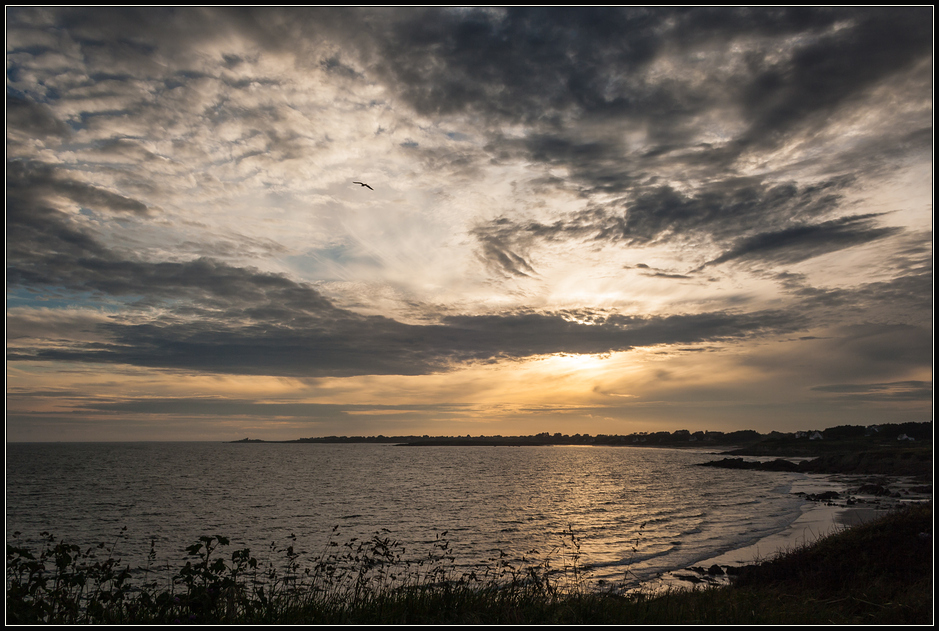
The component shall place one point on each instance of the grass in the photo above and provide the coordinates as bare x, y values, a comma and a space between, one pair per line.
879, 572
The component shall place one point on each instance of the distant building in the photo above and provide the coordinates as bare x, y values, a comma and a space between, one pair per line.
815, 436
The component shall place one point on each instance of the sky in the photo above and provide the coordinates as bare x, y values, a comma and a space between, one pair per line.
586, 221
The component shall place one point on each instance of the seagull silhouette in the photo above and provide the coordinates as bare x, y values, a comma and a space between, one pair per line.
365, 185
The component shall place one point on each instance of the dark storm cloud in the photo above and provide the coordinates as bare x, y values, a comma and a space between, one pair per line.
125, 39
516, 64
719, 213
892, 392
523, 64
33, 119
834, 67
798, 243
201, 287
29, 184
544, 65
556, 68
41, 240
722, 210
535, 64
333, 342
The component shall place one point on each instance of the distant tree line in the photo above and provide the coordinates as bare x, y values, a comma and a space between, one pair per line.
683, 437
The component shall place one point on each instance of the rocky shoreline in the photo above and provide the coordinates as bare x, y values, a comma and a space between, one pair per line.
874, 479
865, 498
891, 462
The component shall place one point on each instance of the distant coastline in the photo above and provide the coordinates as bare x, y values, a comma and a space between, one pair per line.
746, 442
889, 449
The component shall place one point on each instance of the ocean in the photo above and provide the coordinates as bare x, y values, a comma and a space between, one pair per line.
635, 512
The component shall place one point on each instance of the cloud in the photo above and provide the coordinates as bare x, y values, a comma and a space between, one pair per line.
802, 242
498, 242
723, 210
525, 64
312, 338
33, 119
717, 214
179, 192
191, 406
658, 273
212, 316
891, 392
905, 298
830, 69
883, 345
669, 76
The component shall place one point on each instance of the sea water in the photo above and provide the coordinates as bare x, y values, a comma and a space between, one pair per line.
635, 512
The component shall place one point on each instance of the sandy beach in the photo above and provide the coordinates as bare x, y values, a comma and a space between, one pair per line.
818, 519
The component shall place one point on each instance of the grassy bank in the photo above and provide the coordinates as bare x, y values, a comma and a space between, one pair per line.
879, 572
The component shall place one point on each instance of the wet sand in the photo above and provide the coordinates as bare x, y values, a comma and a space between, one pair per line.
814, 523
818, 519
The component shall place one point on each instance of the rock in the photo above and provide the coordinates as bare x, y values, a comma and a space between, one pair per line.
779, 465
823, 497
739, 463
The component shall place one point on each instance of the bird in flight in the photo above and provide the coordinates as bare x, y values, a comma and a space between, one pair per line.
365, 185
